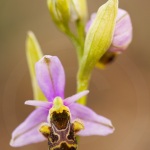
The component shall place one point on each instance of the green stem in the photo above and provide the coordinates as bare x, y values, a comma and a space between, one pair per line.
82, 79
82, 84
76, 42
81, 34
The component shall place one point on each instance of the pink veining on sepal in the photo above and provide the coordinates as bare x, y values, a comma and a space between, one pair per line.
51, 77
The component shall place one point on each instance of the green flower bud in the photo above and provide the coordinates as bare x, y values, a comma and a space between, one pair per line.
60, 12
79, 10
64, 11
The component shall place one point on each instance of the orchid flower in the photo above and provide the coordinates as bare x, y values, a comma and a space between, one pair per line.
122, 34
51, 79
122, 37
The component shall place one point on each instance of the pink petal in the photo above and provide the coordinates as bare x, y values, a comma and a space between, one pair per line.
33, 136
75, 97
89, 23
51, 77
91, 119
123, 32
28, 127
92, 128
38, 103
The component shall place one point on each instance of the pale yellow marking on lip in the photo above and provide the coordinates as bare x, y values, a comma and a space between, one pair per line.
78, 125
45, 129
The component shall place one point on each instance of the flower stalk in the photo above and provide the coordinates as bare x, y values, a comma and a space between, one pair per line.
97, 42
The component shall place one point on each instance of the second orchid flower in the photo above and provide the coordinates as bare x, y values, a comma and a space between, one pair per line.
122, 36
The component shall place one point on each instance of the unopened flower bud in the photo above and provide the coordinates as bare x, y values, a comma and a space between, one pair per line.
65, 11
79, 10
59, 10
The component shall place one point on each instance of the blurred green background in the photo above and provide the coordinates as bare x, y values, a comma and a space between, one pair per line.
121, 92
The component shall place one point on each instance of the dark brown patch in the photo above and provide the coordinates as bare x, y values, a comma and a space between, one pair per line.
53, 137
107, 58
60, 120
47, 60
71, 135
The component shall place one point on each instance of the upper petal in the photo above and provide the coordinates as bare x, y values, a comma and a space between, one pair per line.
29, 128
94, 123
123, 32
51, 77
38, 103
75, 97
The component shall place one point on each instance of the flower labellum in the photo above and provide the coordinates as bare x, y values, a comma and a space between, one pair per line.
61, 116
60, 132
106, 59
